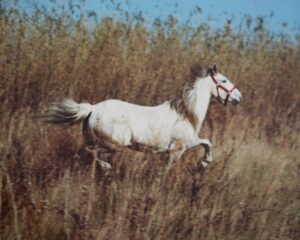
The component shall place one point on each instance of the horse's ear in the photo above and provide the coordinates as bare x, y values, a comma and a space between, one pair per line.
214, 67
212, 70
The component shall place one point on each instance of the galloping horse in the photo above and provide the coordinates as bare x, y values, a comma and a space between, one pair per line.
171, 126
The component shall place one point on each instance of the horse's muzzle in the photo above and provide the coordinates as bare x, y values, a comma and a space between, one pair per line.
236, 97
235, 101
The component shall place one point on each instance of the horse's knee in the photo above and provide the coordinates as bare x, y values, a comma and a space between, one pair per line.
206, 144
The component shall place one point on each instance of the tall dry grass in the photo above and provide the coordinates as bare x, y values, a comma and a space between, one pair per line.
52, 189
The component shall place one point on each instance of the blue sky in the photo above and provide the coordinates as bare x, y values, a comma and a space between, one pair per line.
287, 11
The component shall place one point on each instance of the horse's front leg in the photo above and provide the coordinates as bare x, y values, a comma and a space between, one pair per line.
176, 149
208, 156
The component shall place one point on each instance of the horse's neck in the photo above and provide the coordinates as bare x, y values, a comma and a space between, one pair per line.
199, 98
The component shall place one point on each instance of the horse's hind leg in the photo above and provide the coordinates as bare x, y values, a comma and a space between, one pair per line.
94, 137
90, 138
94, 152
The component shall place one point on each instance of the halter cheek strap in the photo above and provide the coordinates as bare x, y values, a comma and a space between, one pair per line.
224, 89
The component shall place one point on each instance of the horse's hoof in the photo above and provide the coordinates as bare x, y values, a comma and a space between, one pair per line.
105, 165
204, 164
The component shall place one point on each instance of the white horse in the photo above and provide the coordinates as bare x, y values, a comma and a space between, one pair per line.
171, 126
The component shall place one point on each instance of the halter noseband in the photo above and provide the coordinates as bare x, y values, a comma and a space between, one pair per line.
224, 89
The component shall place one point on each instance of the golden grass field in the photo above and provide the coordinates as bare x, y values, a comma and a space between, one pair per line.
52, 189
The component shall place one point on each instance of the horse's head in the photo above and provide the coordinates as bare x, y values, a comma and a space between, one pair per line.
223, 89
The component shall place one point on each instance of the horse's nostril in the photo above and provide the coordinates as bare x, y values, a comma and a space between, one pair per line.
235, 102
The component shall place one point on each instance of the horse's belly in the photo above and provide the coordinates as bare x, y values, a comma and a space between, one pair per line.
156, 138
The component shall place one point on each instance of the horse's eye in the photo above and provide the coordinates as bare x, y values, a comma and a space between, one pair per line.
223, 81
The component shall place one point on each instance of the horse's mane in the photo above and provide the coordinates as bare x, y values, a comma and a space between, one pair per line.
180, 104
180, 107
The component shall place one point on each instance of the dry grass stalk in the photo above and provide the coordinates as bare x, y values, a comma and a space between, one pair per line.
249, 192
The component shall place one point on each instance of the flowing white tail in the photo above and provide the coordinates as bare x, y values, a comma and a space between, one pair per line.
67, 112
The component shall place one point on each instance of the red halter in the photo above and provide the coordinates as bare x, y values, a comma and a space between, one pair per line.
224, 89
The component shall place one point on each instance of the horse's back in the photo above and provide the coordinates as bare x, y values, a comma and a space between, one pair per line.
121, 109
116, 103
